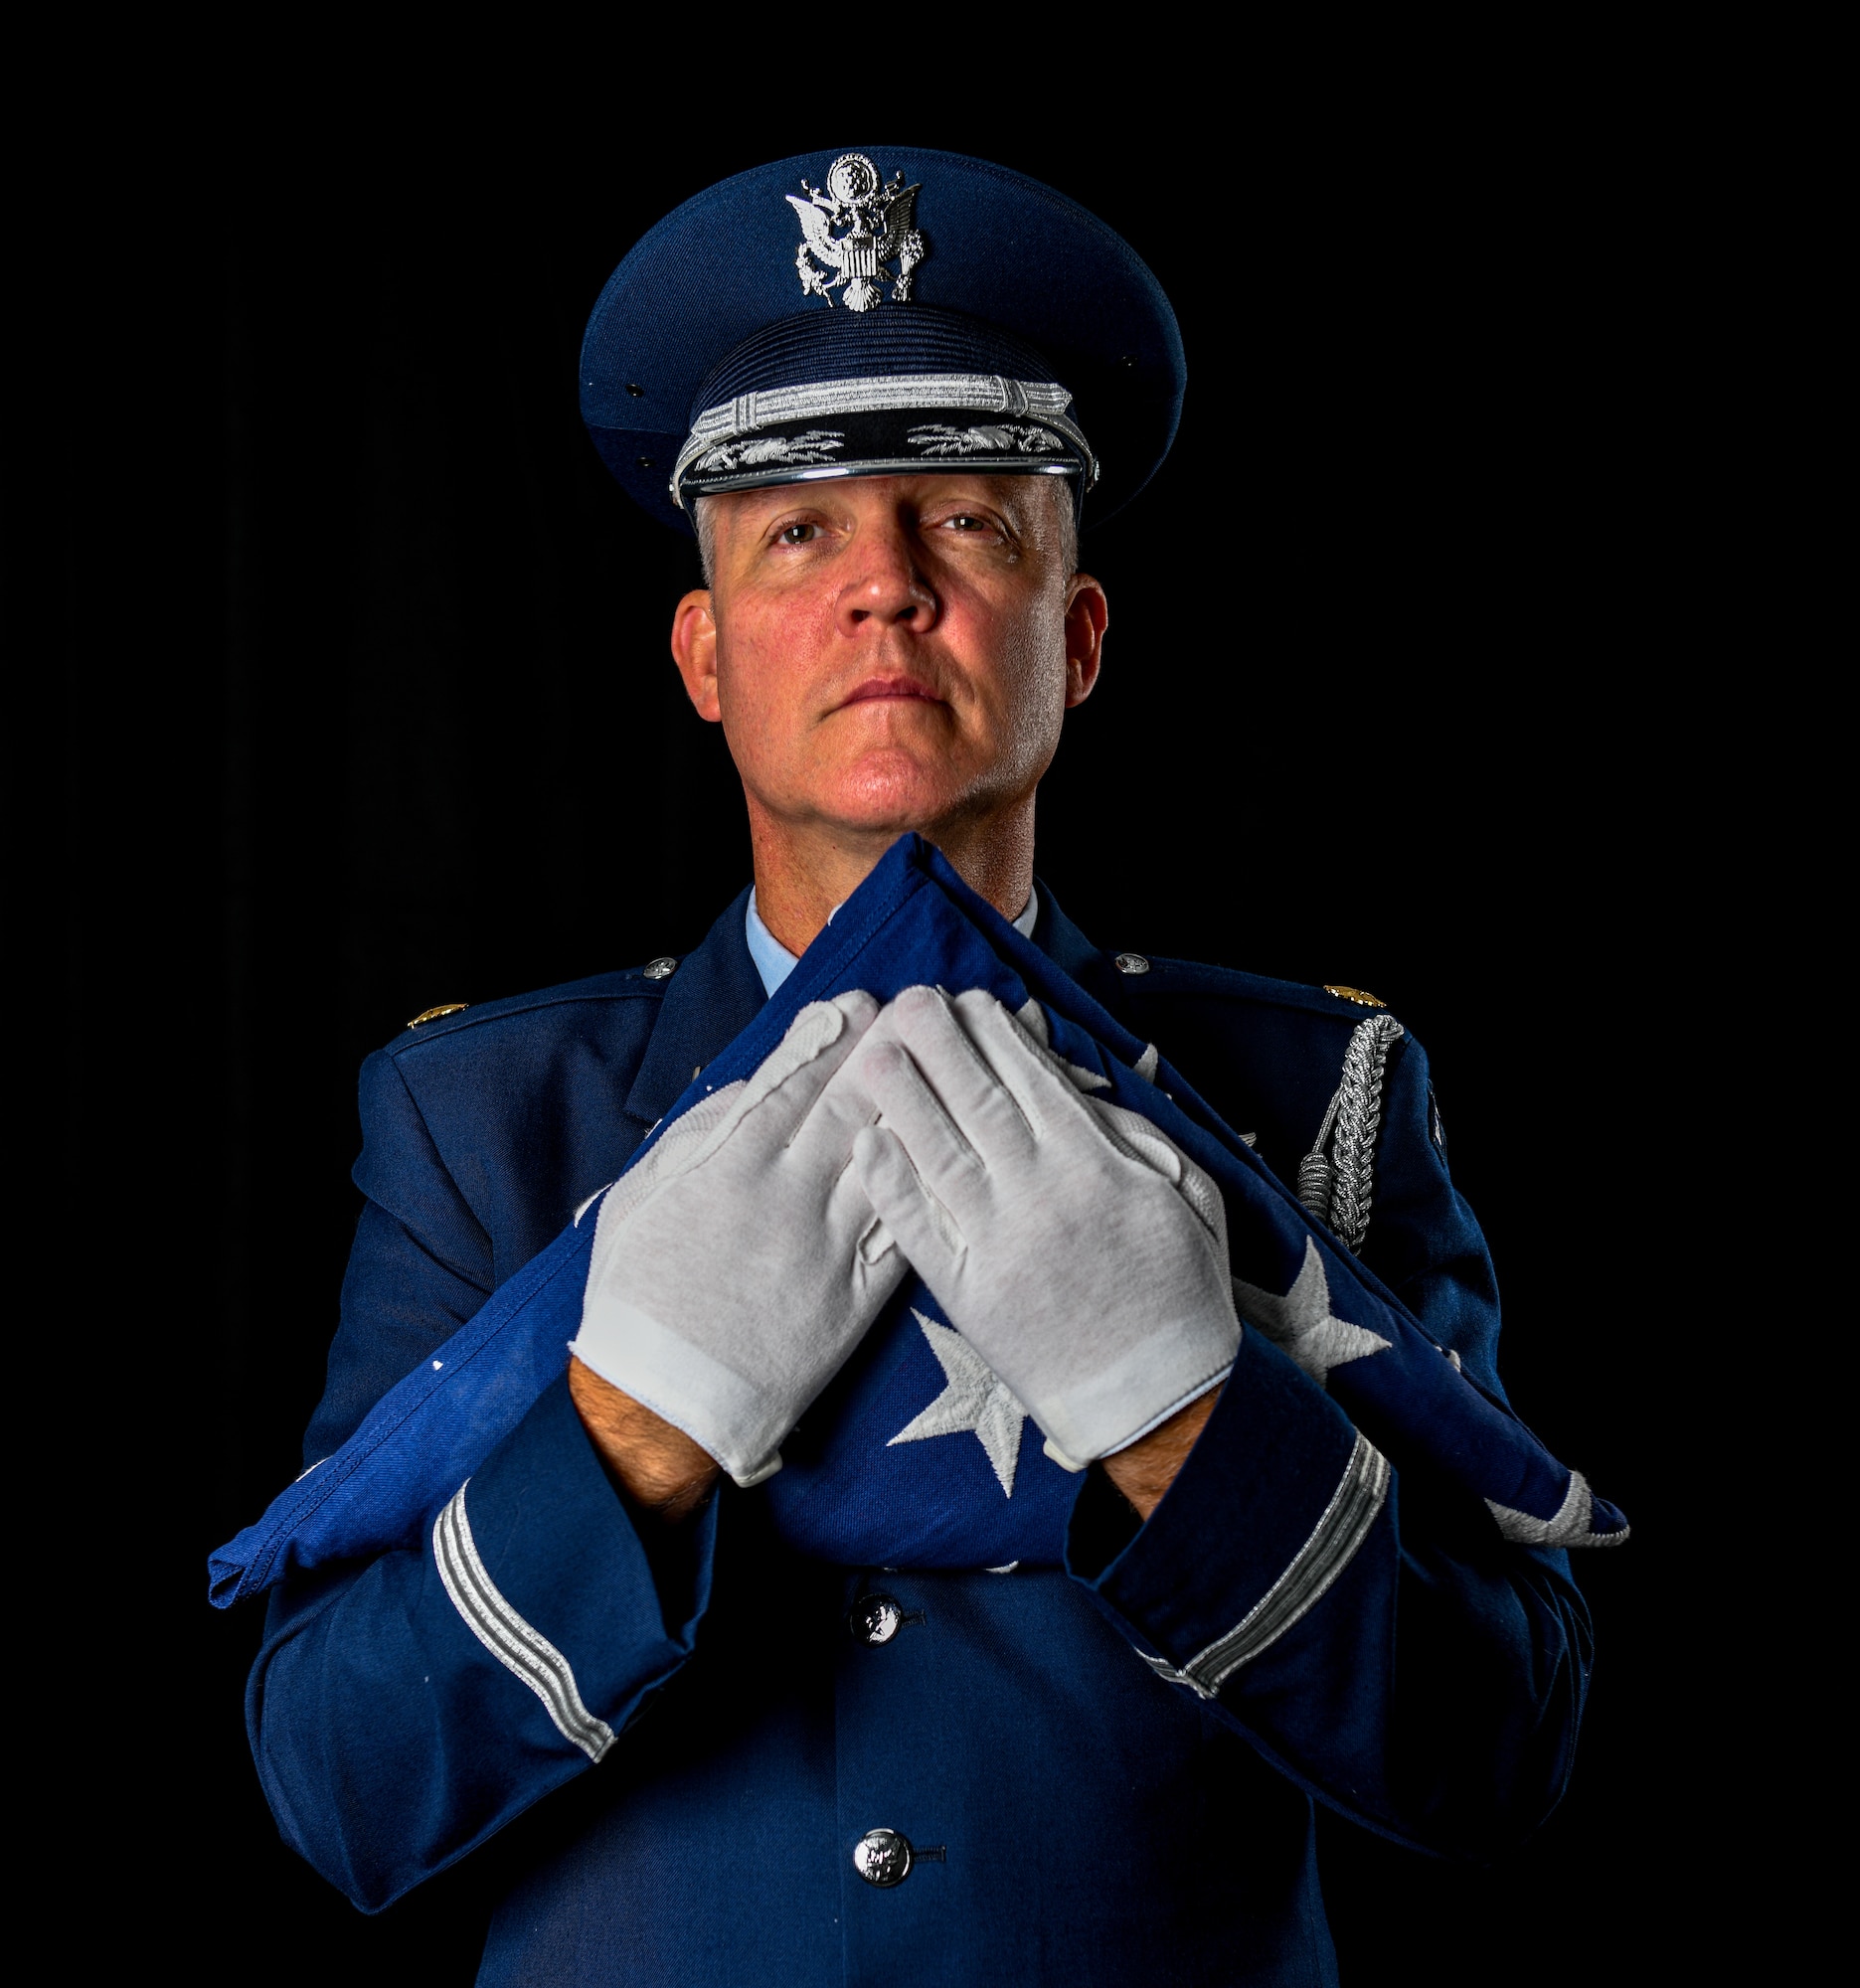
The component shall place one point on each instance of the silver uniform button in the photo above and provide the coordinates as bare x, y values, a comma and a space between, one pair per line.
1125, 962
883, 1858
874, 1619
661, 968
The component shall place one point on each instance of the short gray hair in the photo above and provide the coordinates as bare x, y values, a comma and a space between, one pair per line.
704, 523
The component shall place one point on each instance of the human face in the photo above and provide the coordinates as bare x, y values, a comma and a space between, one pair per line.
889, 653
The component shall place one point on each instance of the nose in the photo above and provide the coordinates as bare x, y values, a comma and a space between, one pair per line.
890, 590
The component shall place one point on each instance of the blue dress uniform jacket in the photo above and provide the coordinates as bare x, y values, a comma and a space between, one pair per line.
719, 1721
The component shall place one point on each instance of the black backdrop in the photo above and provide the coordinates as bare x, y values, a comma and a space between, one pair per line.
361, 703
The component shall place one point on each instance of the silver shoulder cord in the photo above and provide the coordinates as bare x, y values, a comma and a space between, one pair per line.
1338, 1189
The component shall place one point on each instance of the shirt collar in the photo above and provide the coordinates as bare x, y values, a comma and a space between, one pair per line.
774, 962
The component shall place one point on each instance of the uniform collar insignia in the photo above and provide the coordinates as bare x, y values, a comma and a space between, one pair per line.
875, 229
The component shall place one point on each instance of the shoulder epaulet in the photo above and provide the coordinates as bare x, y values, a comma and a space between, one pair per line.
1157, 976
635, 983
1336, 1178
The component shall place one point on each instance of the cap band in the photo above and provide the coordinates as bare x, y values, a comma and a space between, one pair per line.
750, 441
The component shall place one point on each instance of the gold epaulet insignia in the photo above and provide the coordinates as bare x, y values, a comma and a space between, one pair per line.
434, 1014
1355, 994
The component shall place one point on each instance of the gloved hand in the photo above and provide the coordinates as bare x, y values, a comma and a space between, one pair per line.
739, 1263
1082, 1253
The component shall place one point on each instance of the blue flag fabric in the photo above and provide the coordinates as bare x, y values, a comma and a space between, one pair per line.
915, 1455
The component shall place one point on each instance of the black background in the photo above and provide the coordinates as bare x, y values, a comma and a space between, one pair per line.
356, 699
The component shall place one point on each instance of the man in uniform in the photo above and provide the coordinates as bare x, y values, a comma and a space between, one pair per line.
1040, 1678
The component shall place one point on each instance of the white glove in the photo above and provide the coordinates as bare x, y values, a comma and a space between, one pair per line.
1074, 1246
740, 1262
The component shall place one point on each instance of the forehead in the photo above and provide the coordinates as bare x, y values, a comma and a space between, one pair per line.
1017, 497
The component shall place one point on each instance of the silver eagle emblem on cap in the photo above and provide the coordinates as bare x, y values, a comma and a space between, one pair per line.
858, 228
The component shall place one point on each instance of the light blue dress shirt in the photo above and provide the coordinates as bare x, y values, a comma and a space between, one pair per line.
774, 962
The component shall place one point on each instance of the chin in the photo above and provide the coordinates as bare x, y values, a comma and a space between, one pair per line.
888, 800
888, 788
874, 817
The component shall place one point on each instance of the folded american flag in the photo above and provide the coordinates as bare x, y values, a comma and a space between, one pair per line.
865, 1481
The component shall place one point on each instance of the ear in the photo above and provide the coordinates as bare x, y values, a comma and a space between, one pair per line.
1087, 616
694, 651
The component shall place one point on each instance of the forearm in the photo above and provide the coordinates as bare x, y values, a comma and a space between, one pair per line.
1379, 1642
402, 1714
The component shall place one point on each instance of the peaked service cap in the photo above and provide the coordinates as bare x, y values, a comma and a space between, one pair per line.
875, 312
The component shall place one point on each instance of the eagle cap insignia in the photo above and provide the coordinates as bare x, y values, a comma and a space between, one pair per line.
857, 228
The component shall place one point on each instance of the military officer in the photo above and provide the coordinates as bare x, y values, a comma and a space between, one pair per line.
982, 1716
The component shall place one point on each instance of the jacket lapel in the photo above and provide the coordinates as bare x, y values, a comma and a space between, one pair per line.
712, 996
1071, 952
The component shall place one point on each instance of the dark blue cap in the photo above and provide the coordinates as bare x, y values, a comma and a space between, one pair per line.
877, 311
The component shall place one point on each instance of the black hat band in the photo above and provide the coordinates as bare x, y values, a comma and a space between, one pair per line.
884, 426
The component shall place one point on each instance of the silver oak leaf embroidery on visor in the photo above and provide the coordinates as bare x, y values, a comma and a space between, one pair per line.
1301, 1324
977, 1400
858, 229
816, 445
1002, 438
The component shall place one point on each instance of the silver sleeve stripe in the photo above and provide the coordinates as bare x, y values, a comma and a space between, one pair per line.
526, 1654
1339, 1532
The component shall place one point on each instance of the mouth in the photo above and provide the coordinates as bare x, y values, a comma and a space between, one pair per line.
876, 688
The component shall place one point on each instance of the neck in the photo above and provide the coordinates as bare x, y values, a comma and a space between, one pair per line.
803, 870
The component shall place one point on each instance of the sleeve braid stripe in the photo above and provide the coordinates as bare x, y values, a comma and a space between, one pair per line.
1340, 1531
528, 1655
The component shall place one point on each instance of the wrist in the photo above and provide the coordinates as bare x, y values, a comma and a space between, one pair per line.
658, 1467
1145, 1470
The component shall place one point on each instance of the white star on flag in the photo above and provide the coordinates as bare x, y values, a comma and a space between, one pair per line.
977, 1400
1301, 1324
